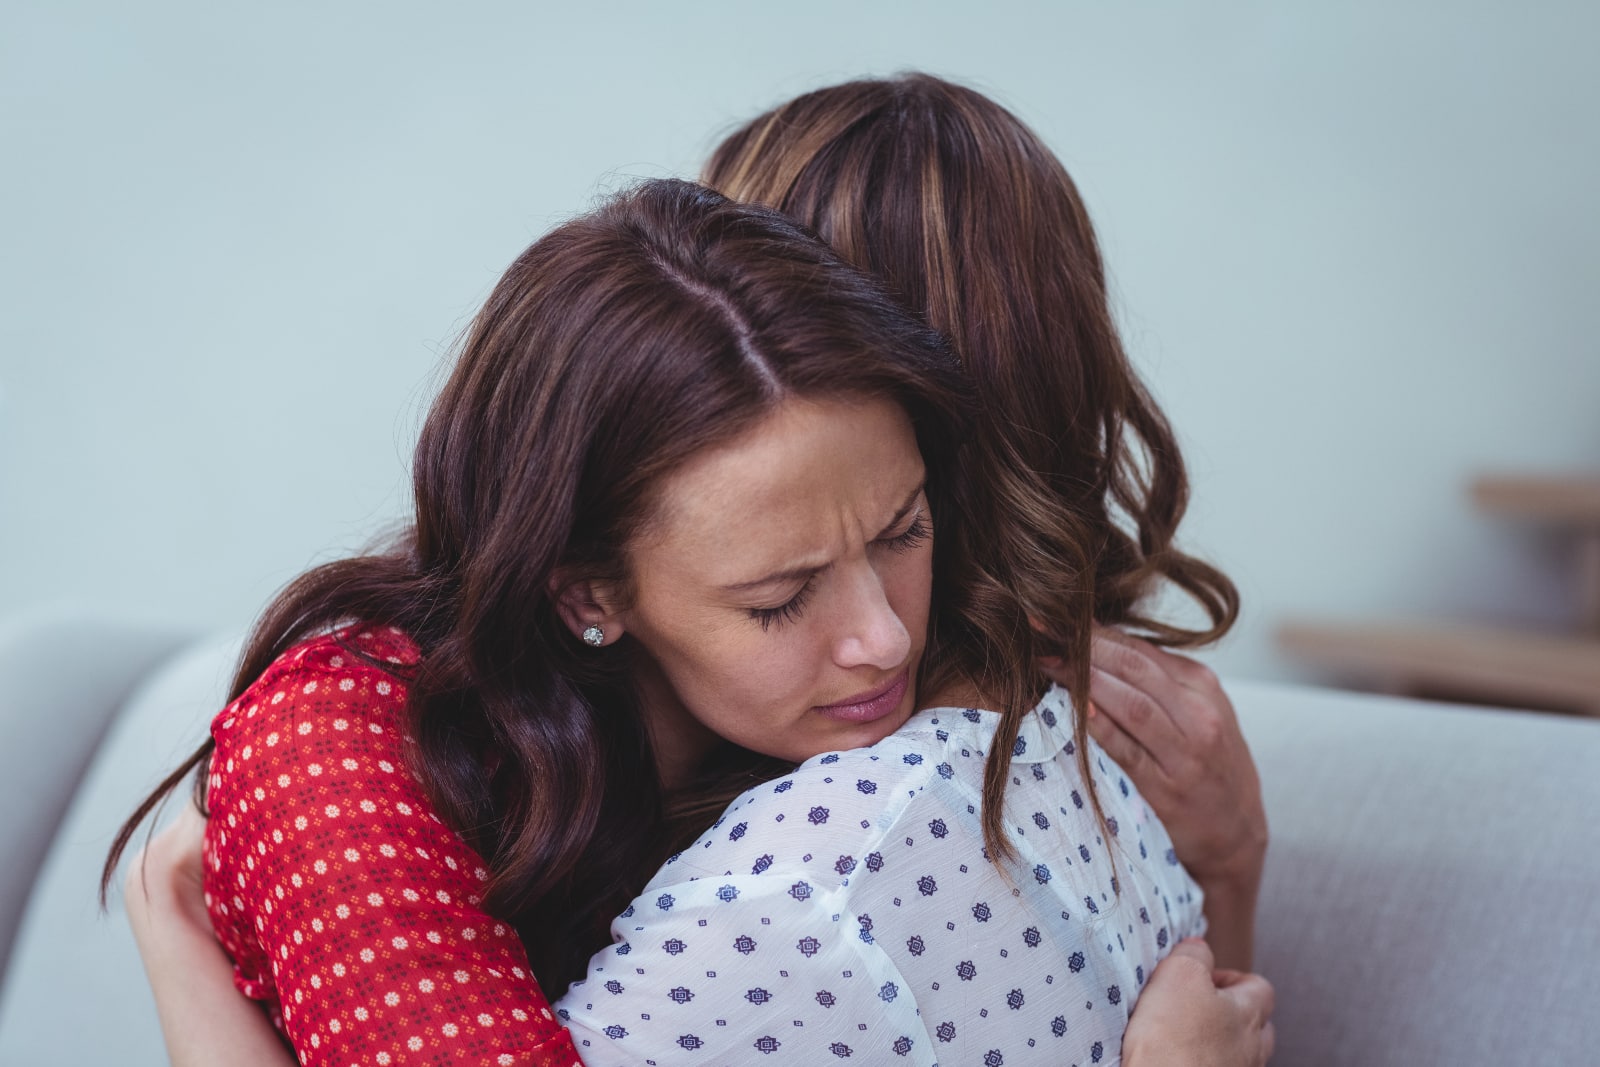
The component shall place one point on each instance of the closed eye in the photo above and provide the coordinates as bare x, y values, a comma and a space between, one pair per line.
914, 535
788, 611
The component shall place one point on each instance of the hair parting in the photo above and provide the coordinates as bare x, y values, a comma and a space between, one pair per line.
614, 349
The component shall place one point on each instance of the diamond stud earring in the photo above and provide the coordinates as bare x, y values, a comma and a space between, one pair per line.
594, 637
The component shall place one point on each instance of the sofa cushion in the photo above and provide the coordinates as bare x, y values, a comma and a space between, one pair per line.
1432, 892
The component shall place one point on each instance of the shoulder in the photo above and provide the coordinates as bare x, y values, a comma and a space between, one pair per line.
377, 658
358, 671
822, 820
310, 780
330, 707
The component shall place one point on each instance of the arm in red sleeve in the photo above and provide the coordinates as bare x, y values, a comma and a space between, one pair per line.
348, 907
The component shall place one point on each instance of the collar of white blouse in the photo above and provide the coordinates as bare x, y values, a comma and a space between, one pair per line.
1043, 733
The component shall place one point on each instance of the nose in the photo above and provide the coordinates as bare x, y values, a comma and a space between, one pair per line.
872, 633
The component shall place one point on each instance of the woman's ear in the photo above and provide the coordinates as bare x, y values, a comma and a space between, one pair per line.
589, 608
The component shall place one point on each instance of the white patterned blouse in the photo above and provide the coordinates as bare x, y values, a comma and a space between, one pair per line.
849, 911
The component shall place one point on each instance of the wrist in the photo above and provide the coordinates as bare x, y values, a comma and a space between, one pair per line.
1239, 879
1230, 911
1239, 872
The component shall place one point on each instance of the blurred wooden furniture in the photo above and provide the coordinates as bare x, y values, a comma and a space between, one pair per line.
1569, 503
1558, 672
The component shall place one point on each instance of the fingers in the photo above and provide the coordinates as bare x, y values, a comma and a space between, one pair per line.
1055, 669
1253, 995
1223, 977
1172, 705
1138, 712
173, 863
1187, 672
1129, 754
1194, 948
1182, 1018
1136, 659
1182, 978
1254, 1001
1145, 691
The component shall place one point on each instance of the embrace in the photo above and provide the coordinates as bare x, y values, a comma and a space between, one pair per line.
759, 677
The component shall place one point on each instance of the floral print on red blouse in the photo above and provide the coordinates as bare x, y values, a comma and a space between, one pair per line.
350, 910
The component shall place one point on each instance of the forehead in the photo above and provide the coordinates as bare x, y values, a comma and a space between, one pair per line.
797, 484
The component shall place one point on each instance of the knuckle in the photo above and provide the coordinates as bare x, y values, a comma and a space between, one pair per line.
1118, 748
1202, 722
1140, 671
1187, 771
1128, 755
1099, 729
1111, 656
1127, 654
1198, 675
1188, 967
1208, 733
1140, 710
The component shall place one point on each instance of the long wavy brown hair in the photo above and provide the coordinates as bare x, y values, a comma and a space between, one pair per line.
977, 226
613, 350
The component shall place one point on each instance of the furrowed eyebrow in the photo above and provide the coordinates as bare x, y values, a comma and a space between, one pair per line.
800, 573
790, 575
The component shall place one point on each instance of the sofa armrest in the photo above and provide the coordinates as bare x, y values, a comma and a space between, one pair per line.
62, 679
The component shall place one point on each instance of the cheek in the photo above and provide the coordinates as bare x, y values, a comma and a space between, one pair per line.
749, 684
909, 581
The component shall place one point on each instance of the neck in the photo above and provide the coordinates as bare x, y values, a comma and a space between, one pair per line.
965, 693
957, 693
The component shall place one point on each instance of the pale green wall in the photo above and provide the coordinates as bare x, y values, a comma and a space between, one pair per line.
1355, 247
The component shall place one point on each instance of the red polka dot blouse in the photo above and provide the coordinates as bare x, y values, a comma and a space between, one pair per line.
350, 910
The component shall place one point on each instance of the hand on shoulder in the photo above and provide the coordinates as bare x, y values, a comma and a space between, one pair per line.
1169, 724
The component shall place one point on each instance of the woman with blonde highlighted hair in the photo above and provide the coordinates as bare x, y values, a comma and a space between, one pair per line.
977, 226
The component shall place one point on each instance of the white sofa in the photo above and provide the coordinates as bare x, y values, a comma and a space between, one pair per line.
1432, 893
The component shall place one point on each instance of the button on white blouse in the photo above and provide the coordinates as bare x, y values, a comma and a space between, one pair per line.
848, 911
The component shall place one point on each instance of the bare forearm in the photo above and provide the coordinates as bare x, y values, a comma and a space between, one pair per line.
204, 1019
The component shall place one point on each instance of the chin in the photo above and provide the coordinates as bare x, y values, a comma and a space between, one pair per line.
870, 733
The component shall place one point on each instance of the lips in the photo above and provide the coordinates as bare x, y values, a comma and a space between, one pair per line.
870, 706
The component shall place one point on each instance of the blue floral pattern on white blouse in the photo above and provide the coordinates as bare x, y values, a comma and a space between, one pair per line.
848, 911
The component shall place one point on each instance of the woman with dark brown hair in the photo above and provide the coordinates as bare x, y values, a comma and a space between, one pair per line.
677, 493
977, 226
528, 650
